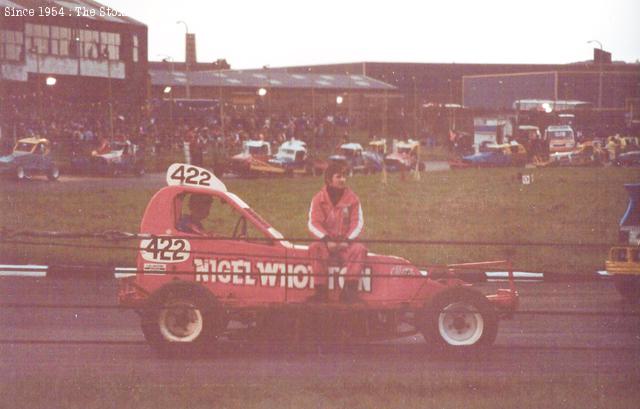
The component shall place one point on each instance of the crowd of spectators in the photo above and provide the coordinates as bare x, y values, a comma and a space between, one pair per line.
82, 126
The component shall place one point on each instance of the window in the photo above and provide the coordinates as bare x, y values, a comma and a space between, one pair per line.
38, 36
11, 45
216, 217
107, 45
60, 40
90, 43
136, 46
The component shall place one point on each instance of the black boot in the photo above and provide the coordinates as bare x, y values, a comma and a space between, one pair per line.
349, 294
321, 295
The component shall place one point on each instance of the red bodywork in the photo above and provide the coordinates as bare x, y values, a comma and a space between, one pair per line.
249, 273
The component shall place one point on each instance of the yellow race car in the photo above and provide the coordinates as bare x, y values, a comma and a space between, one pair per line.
623, 262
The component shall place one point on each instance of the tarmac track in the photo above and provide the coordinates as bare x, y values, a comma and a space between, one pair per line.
599, 335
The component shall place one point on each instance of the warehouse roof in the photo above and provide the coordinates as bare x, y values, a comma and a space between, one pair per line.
266, 79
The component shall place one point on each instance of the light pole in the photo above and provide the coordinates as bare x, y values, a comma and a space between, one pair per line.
168, 90
350, 106
415, 107
599, 72
221, 103
266, 68
34, 50
106, 55
186, 61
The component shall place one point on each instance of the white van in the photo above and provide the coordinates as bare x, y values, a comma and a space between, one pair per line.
561, 138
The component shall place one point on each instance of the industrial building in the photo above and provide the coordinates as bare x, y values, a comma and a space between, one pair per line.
74, 51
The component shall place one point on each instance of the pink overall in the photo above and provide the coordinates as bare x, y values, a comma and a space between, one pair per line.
342, 222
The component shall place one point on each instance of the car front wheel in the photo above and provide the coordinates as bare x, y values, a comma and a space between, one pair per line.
21, 173
53, 174
460, 319
181, 319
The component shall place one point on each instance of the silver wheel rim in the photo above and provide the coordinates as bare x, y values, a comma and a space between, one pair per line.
20, 173
460, 324
180, 321
55, 173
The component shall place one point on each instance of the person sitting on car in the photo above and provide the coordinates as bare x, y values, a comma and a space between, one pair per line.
199, 208
335, 219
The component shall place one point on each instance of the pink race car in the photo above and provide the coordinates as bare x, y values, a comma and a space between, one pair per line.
246, 281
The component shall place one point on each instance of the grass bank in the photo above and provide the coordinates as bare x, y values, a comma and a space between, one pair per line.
487, 205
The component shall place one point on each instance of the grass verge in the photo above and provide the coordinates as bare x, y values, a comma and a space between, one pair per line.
486, 205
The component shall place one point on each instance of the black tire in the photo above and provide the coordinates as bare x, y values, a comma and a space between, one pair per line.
53, 173
181, 318
21, 173
459, 319
628, 286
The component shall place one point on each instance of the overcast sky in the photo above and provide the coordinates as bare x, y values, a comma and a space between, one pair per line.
251, 34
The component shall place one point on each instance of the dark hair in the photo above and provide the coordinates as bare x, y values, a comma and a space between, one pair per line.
198, 199
332, 169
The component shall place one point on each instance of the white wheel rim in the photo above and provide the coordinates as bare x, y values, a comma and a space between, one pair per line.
20, 173
460, 324
55, 173
180, 321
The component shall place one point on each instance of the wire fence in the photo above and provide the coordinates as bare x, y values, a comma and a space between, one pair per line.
117, 241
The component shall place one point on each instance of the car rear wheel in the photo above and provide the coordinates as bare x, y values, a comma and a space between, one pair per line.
21, 174
181, 319
53, 174
460, 319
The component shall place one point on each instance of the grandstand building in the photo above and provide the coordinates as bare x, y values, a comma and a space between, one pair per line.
276, 92
76, 50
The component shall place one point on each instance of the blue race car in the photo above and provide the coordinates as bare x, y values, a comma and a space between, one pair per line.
511, 154
30, 156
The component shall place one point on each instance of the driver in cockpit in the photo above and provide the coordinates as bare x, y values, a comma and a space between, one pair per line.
199, 208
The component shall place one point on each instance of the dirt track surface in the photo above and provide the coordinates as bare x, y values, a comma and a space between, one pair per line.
599, 335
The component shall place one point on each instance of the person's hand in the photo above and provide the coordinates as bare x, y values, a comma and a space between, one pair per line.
334, 246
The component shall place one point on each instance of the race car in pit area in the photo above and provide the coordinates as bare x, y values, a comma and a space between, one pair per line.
116, 158
378, 147
623, 262
291, 159
356, 159
493, 155
405, 156
589, 153
30, 156
189, 287
631, 158
254, 157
